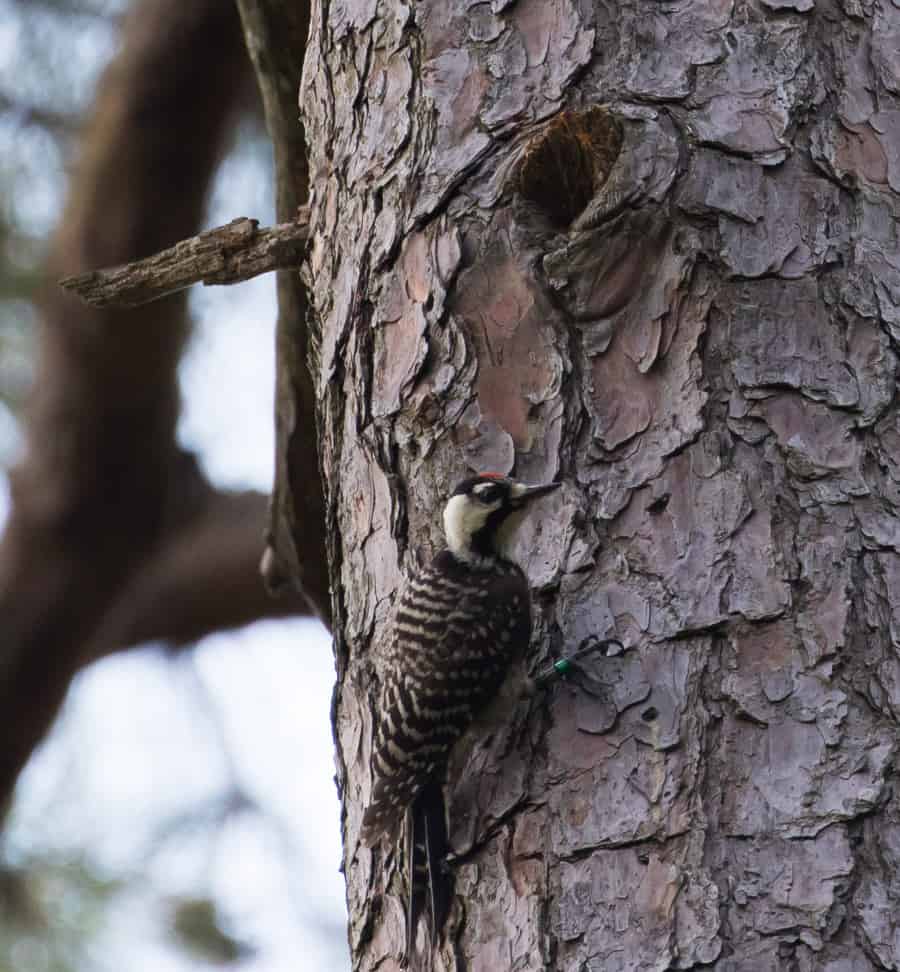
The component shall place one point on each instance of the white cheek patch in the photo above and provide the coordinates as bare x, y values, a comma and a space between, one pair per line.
462, 519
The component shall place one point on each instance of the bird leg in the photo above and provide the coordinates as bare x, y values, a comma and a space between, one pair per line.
564, 667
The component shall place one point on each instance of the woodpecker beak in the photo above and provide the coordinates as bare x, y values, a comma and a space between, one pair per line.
522, 493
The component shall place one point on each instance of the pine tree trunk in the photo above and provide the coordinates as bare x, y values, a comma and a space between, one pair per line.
650, 250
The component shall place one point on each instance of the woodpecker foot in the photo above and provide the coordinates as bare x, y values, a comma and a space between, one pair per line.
564, 667
559, 669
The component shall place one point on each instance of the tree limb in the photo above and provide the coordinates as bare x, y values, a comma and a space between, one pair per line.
275, 33
227, 254
202, 578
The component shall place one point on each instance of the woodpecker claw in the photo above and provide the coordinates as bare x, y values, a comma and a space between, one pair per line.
559, 669
564, 667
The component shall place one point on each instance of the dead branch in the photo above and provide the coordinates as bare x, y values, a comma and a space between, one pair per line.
227, 254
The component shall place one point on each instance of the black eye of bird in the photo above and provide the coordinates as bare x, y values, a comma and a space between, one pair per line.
488, 494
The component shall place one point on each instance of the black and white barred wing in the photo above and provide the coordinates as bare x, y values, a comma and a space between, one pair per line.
454, 635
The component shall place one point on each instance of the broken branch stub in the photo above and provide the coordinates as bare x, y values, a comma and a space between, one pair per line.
228, 254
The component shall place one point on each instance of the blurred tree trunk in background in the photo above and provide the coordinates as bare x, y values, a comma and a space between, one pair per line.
683, 304
115, 537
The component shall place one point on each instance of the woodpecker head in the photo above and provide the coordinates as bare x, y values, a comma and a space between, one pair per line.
482, 514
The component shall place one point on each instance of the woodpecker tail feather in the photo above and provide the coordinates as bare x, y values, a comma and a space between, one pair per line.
430, 882
440, 878
417, 878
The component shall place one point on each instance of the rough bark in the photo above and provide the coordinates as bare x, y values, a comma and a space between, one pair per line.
115, 536
703, 347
